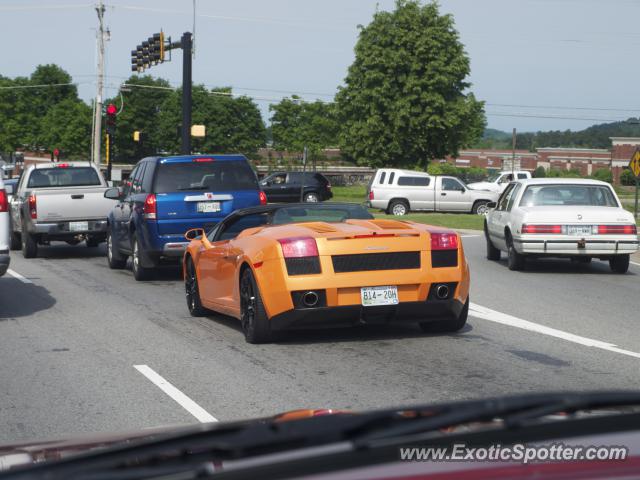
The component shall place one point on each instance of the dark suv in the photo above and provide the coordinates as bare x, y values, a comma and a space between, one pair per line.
166, 196
287, 186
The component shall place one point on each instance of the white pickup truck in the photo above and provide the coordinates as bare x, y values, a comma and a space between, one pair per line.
59, 201
498, 181
400, 191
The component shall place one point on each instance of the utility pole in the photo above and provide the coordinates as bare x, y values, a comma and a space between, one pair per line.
304, 171
513, 154
97, 112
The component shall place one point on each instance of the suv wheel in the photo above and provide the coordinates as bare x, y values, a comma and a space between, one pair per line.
115, 260
311, 197
140, 273
398, 207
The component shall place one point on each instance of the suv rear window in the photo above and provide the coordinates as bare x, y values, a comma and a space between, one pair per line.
63, 177
221, 176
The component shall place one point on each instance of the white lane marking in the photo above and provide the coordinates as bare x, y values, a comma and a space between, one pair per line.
634, 263
180, 398
485, 313
18, 276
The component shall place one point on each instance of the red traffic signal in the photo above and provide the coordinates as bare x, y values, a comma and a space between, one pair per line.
111, 109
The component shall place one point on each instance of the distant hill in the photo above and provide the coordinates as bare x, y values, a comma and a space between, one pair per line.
595, 136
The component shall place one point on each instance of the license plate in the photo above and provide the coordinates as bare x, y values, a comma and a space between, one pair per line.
579, 230
208, 207
78, 226
379, 296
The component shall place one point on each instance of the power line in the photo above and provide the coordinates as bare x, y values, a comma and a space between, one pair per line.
16, 8
16, 87
553, 117
554, 107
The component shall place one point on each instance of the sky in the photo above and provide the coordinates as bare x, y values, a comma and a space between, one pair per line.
538, 64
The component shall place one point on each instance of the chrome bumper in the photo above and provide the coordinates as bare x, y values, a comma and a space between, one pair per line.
62, 228
570, 247
174, 249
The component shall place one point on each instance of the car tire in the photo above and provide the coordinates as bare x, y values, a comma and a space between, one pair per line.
311, 197
480, 207
493, 253
15, 241
114, 258
253, 316
619, 263
92, 242
515, 260
28, 243
140, 273
192, 290
447, 326
398, 208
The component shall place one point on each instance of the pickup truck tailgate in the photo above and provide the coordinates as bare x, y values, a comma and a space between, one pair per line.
72, 203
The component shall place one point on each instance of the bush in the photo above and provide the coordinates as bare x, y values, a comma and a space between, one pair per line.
558, 173
540, 172
627, 178
603, 174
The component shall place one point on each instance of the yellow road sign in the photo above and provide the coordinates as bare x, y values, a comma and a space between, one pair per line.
634, 163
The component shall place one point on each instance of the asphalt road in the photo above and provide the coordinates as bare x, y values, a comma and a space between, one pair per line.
72, 333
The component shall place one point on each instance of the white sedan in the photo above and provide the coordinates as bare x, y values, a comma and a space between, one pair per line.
568, 218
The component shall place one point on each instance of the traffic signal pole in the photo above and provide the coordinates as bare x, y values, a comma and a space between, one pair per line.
187, 44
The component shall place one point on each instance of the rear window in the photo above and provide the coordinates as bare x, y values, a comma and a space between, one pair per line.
414, 181
221, 176
579, 195
63, 177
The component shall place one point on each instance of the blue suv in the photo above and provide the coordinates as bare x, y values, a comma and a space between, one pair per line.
166, 196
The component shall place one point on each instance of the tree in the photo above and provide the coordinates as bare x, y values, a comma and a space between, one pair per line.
404, 101
539, 172
140, 111
296, 124
233, 124
67, 126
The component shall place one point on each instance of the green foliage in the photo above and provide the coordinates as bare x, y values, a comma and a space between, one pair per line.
296, 124
627, 178
540, 172
558, 173
404, 100
603, 174
467, 175
67, 126
233, 124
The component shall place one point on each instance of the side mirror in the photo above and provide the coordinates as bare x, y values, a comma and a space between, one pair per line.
463, 189
194, 233
492, 204
113, 193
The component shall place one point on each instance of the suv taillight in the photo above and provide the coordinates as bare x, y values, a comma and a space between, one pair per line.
371, 195
263, 197
4, 203
298, 247
150, 209
444, 241
33, 207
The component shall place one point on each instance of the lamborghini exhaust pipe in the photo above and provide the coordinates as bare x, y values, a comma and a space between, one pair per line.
310, 299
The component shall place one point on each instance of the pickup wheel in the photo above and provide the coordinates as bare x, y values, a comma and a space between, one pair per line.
92, 242
140, 273
29, 244
619, 263
398, 207
447, 326
480, 207
114, 258
253, 316
311, 197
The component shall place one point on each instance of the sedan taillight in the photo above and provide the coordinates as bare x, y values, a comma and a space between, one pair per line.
617, 229
529, 228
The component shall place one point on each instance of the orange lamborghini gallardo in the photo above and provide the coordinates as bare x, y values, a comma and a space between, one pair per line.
291, 266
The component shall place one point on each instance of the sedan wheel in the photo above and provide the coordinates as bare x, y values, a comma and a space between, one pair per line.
192, 291
515, 260
619, 263
253, 316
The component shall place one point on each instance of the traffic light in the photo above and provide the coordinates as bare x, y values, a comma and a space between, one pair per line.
111, 118
150, 52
